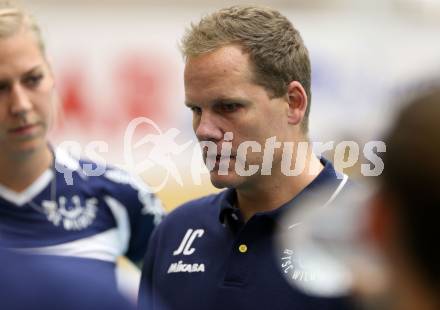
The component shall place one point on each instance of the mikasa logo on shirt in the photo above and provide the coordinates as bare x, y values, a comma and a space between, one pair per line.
185, 248
181, 267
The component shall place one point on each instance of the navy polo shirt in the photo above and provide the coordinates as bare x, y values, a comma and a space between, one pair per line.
203, 256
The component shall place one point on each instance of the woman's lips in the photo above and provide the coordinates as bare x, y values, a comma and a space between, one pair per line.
23, 130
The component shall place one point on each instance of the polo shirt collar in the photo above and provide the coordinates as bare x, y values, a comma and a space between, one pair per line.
227, 205
328, 176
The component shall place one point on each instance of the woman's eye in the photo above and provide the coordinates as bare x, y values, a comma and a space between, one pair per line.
33, 80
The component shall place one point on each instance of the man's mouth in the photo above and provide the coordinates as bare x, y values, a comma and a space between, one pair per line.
219, 158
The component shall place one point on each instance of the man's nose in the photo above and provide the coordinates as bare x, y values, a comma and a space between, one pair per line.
207, 128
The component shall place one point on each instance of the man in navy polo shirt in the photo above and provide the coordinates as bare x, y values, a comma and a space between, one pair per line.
247, 82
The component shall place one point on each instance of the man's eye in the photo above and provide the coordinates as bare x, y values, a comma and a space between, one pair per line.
4, 87
196, 110
228, 107
33, 80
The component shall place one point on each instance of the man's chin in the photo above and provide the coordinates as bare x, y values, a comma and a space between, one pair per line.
223, 181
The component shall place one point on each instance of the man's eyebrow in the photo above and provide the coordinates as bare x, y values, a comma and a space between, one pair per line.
221, 100
231, 100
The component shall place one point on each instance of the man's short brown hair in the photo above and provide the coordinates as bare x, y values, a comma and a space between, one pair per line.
275, 47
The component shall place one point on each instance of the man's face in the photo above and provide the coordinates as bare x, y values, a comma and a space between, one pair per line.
223, 97
26, 87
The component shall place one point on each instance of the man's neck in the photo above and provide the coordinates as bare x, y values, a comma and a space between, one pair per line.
18, 173
273, 191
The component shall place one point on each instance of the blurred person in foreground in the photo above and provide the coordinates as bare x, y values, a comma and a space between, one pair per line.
33, 282
50, 202
404, 211
247, 82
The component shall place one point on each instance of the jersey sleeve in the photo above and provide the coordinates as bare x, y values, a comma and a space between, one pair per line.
144, 210
145, 296
43, 282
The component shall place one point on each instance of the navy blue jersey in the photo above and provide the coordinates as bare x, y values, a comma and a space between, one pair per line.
204, 256
29, 282
77, 209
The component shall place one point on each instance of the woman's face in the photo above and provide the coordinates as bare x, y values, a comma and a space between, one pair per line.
26, 95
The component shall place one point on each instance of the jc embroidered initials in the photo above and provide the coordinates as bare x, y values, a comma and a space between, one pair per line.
187, 241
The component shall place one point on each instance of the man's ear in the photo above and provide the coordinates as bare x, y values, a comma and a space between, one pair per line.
297, 99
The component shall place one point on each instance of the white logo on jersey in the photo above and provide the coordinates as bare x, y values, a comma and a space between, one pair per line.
187, 241
181, 267
292, 266
151, 205
75, 218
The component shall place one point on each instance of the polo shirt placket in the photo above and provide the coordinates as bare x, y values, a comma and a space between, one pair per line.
243, 261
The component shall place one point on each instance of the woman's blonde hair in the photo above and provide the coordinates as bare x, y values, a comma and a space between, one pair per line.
13, 19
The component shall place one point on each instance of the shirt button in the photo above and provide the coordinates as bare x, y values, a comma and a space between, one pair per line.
243, 248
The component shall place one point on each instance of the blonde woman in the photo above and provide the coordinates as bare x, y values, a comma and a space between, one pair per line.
49, 202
